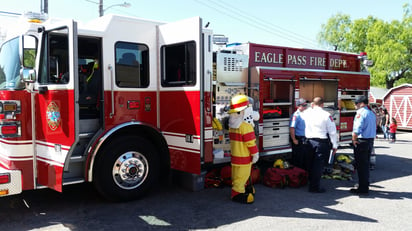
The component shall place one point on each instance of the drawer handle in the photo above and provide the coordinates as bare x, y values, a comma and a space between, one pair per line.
275, 123
275, 129
275, 136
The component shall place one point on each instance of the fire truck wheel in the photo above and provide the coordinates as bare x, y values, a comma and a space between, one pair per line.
126, 168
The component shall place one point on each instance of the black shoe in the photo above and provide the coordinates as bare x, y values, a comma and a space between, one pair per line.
250, 189
244, 198
319, 190
358, 192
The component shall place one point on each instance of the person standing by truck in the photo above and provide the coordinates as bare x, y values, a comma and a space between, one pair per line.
300, 157
363, 136
318, 126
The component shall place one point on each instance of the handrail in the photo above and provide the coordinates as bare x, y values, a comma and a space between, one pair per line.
111, 89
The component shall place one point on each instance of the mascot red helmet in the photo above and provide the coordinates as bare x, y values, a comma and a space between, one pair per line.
238, 103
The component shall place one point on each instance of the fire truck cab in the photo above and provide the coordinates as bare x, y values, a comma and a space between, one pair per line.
116, 101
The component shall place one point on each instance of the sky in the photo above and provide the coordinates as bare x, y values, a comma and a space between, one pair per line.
292, 23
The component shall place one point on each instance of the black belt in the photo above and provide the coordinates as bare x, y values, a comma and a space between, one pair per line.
365, 138
300, 137
318, 139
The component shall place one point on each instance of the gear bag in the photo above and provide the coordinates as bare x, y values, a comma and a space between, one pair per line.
212, 180
255, 175
295, 177
274, 178
226, 175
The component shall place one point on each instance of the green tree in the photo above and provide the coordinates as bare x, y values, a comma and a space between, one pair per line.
334, 33
388, 44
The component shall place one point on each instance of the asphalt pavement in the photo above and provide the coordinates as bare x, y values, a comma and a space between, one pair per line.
169, 207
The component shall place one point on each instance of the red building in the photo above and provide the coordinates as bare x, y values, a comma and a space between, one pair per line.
398, 101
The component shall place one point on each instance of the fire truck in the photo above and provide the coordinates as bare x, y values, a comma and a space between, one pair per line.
275, 77
121, 102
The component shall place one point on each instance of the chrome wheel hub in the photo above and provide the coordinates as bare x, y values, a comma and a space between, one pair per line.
130, 170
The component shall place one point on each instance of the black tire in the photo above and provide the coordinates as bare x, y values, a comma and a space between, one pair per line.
126, 168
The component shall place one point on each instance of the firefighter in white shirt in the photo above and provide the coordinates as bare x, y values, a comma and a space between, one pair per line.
319, 125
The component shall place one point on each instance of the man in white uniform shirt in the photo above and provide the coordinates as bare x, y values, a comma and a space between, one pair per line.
319, 124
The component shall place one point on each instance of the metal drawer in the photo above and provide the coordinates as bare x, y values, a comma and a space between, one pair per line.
275, 140
271, 123
275, 130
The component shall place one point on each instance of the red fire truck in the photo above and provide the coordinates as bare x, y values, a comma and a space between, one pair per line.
121, 101
277, 76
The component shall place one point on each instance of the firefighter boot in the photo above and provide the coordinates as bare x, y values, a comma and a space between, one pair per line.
244, 198
250, 189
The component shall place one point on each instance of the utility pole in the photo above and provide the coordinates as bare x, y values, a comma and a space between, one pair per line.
101, 11
44, 6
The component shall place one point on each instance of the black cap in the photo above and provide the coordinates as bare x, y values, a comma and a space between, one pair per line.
361, 99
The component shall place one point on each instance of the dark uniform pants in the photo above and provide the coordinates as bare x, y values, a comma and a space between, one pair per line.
300, 155
319, 148
362, 153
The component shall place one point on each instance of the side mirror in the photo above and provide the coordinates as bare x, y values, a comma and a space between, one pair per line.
28, 75
28, 51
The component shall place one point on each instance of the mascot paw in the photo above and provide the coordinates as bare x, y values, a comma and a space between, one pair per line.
255, 158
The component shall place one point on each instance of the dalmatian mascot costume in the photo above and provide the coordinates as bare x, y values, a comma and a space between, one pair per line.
250, 115
244, 151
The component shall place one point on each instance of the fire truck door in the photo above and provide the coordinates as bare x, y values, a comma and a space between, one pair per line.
55, 101
181, 92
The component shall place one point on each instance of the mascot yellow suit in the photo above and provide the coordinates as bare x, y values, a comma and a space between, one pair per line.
244, 151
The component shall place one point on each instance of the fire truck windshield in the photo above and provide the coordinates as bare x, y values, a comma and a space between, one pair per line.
10, 65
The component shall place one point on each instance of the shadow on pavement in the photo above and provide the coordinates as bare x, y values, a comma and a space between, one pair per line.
169, 207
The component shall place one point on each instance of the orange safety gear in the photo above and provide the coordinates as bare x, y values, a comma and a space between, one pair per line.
243, 144
243, 147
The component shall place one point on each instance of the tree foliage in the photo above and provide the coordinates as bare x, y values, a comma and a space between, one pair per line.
388, 44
